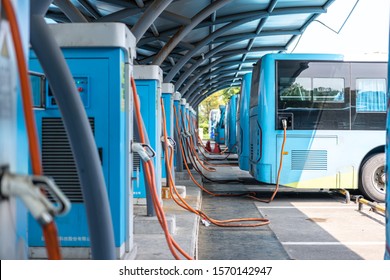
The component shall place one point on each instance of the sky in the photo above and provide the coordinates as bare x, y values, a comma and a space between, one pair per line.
364, 36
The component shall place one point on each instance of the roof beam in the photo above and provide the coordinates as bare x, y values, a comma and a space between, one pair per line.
252, 35
90, 9
197, 99
182, 20
259, 29
123, 3
271, 11
226, 73
153, 28
148, 17
222, 73
147, 60
237, 38
120, 15
184, 30
236, 62
58, 17
132, 10
206, 41
227, 54
67, 7
211, 84
201, 60
140, 3
235, 17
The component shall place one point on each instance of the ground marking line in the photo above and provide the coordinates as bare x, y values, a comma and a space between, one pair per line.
360, 243
307, 207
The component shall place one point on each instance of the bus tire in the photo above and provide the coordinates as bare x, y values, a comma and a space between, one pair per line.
373, 178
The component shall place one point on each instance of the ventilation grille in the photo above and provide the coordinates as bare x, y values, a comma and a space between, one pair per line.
309, 160
57, 158
251, 152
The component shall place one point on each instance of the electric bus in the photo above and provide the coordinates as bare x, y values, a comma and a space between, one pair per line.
230, 123
214, 116
242, 127
335, 117
220, 129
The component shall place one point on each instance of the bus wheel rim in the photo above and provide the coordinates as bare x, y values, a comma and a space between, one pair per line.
379, 180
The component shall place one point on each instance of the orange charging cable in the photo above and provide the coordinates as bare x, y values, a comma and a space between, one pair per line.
240, 222
50, 229
279, 169
150, 176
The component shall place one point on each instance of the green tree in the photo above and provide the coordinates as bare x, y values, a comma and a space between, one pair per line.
220, 97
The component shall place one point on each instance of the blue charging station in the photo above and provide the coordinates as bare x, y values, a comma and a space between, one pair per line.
178, 159
13, 136
243, 123
192, 115
230, 122
148, 80
226, 122
186, 116
220, 129
168, 90
184, 122
100, 57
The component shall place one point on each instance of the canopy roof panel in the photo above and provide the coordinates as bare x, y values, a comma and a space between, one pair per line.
201, 45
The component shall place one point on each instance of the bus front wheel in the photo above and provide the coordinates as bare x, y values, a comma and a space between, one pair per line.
373, 178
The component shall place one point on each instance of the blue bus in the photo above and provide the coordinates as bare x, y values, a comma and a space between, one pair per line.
220, 128
335, 115
230, 123
242, 130
214, 117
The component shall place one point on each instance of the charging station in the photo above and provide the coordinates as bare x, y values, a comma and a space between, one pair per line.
100, 57
183, 103
184, 124
243, 123
13, 137
178, 159
227, 123
186, 116
148, 80
168, 90
220, 129
192, 115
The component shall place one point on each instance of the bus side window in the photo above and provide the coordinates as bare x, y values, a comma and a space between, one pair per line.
370, 95
298, 89
330, 90
370, 112
315, 93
